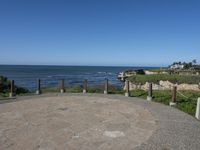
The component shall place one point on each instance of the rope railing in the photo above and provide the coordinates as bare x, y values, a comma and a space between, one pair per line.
178, 92
181, 94
62, 84
171, 88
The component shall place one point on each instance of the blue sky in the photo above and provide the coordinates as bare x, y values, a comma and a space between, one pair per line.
99, 32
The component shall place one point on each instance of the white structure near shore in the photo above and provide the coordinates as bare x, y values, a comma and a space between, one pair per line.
177, 66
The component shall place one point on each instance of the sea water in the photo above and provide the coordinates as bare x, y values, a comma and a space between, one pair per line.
26, 76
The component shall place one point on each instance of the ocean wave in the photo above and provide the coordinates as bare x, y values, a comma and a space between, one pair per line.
110, 73
101, 72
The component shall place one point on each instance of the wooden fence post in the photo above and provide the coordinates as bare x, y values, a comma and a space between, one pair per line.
106, 87
127, 88
62, 86
12, 87
1, 85
85, 86
38, 91
174, 91
150, 93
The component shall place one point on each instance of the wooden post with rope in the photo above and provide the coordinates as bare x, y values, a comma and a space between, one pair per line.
12, 88
127, 88
150, 93
174, 93
38, 91
85, 86
62, 86
106, 87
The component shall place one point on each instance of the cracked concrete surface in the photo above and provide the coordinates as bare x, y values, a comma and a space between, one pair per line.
94, 122
74, 123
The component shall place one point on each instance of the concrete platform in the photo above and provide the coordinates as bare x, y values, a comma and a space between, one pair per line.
94, 122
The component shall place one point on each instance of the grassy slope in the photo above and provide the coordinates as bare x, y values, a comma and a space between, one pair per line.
165, 77
187, 105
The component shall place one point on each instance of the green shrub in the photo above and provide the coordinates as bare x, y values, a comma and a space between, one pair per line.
5, 87
20, 90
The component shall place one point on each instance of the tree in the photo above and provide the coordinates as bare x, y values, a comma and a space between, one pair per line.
194, 61
190, 64
186, 66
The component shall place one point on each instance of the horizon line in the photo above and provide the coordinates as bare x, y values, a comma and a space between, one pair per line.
83, 65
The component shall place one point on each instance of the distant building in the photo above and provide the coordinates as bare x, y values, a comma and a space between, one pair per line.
176, 66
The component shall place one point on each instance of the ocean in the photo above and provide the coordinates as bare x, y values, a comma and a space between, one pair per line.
26, 76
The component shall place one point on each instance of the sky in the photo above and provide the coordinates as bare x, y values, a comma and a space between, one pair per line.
99, 32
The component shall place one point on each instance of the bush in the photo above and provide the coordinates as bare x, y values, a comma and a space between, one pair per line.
20, 90
5, 87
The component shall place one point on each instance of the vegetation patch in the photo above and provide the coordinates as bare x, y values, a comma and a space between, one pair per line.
159, 71
155, 78
5, 88
74, 89
79, 89
49, 90
186, 103
115, 90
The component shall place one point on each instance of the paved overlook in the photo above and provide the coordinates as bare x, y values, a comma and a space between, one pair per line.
94, 122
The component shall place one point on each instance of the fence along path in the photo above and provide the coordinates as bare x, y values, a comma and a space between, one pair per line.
174, 96
61, 87
180, 93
